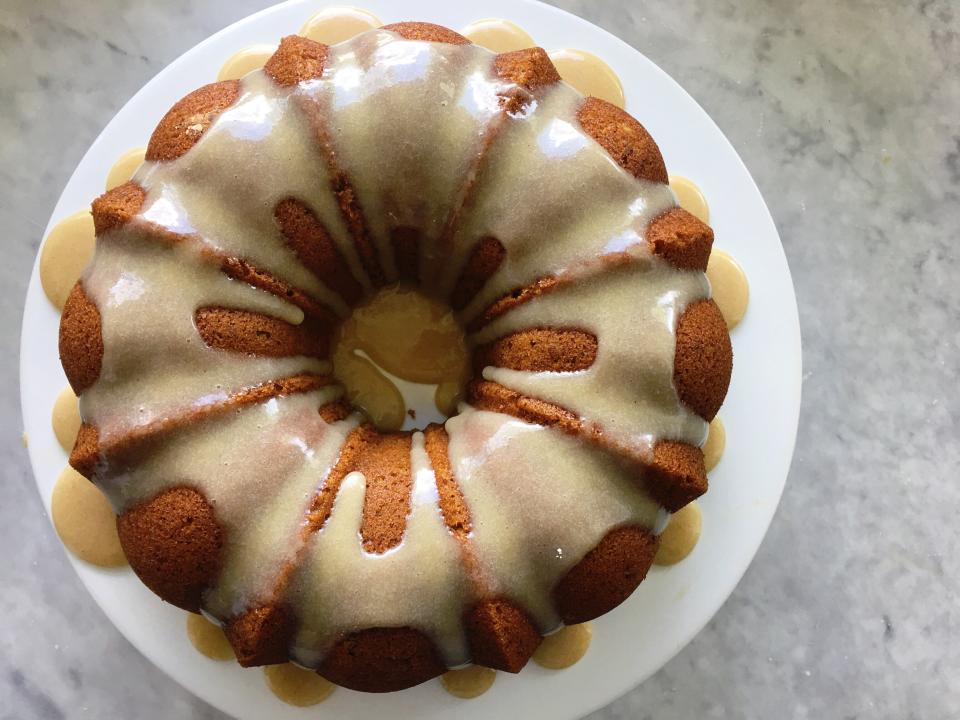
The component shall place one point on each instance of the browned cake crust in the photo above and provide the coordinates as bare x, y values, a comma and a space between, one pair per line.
625, 139
85, 455
261, 635
677, 474
501, 635
703, 361
81, 340
456, 514
173, 543
117, 207
335, 411
607, 575
386, 502
427, 32
540, 350
530, 68
257, 334
296, 60
681, 239
188, 119
382, 660
314, 247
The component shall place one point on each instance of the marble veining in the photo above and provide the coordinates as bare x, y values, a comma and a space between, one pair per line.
846, 114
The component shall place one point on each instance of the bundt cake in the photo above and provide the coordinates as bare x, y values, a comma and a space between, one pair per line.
198, 339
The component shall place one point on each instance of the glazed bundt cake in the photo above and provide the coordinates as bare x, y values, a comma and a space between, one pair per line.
198, 339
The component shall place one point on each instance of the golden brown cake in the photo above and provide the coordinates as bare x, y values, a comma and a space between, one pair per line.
198, 341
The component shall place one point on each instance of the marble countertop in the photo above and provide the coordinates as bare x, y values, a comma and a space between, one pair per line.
848, 116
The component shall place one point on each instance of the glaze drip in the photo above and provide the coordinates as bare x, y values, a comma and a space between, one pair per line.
628, 391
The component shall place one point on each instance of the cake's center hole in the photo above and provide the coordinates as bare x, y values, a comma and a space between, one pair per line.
402, 358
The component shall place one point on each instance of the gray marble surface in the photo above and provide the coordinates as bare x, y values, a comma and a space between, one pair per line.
848, 116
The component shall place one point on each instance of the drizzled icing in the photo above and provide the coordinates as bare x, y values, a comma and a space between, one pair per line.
408, 122
260, 509
155, 365
259, 151
731, 291
420, 583
244, 61
569, 498
469, 682
544, 233
628, 391
336, 24
380, 136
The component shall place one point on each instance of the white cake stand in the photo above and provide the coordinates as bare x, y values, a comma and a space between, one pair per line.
760, 413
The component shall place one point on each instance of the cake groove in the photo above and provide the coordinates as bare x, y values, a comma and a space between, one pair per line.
316, 250
674, 475
258, 334
501, 634
346, 196
122, 205
386, 503
529, 72
540, 350
483, 262
90, 451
